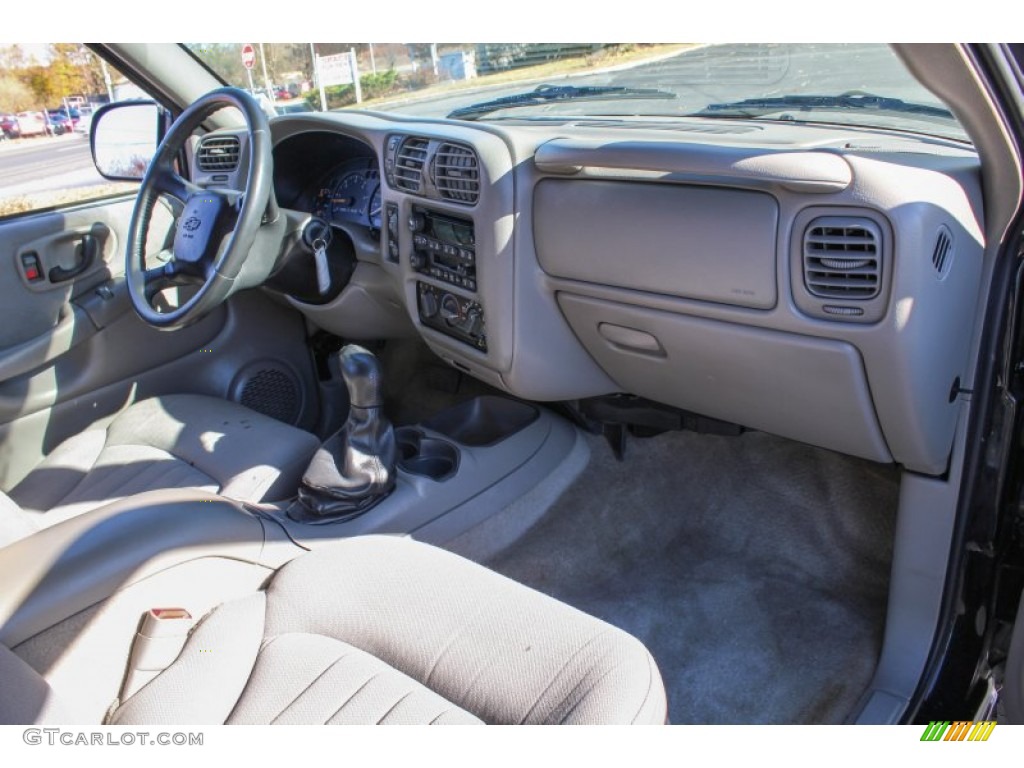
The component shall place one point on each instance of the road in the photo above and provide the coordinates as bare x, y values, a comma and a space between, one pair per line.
40, 164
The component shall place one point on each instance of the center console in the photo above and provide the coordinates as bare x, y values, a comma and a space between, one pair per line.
444, 249
458, 468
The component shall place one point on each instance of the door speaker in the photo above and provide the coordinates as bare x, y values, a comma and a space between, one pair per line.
271, 388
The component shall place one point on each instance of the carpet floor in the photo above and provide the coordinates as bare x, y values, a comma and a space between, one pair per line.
754, 568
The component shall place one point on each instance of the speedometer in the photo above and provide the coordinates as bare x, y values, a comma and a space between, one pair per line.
350, 194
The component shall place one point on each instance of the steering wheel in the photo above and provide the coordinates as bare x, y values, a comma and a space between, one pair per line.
217, 229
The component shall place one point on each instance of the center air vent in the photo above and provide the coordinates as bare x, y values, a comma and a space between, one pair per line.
457, 174
409, 164
218, 154
842, 258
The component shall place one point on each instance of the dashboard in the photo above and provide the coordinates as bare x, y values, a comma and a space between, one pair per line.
816, 282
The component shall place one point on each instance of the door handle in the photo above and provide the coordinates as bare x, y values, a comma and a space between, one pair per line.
86, 252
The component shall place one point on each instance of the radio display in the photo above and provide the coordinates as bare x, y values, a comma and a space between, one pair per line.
450, 231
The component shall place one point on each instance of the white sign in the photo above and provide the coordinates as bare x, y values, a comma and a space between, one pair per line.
336, 69
248, 56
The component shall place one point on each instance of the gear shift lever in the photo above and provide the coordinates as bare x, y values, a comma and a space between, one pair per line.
355, 468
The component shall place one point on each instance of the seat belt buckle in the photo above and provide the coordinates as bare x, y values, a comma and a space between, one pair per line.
158, 642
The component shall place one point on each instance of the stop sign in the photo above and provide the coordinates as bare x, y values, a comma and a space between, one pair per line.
248, 56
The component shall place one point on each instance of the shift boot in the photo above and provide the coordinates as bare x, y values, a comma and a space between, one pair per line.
355, 468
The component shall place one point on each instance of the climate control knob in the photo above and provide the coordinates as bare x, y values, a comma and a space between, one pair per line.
451, 311
428, 305
474, 321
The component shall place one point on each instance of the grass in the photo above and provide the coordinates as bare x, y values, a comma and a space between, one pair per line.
58, 197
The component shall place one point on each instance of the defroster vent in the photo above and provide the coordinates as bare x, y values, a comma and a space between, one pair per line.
218, 154
842, 258
457, 173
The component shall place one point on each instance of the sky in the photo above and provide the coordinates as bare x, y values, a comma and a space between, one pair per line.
532, 21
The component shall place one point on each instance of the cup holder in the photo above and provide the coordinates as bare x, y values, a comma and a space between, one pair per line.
483, 421
425, 456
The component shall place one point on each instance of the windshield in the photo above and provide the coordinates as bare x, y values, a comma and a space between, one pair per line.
852, 84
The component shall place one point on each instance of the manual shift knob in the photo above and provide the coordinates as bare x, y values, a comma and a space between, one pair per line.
362, 375
355, 468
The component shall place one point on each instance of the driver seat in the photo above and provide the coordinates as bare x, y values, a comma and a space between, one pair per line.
173, 441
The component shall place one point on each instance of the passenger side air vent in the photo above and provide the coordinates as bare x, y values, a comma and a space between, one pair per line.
409, 164
457, 173
942, 256
842, 258
218, 154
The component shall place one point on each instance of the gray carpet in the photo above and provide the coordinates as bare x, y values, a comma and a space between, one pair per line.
754, 568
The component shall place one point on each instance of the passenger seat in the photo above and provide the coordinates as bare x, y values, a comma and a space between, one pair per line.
383, 630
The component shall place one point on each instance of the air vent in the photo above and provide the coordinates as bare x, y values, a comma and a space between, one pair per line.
218, 154
456, 173
409, 164
843, 258
942, 256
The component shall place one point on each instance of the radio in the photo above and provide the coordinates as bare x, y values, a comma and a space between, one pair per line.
443, 247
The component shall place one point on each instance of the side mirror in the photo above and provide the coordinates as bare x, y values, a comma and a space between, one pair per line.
124, 137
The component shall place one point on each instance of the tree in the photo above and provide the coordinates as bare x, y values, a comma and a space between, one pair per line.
223, 58
286, 58
12, 57
15, 96
70, 69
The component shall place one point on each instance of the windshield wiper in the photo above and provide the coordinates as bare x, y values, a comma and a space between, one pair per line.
807, 103
544, 94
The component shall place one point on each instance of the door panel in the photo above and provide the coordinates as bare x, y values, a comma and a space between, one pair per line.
31, 308
129, 361
67, 331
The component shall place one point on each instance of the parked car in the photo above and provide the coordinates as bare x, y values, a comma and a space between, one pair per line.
9, 128
84, 121
721, 346
58, 122
32, 123
71, 113
292, 106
